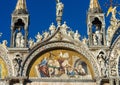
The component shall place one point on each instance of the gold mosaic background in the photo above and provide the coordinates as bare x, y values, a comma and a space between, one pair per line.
3, 68
56, 54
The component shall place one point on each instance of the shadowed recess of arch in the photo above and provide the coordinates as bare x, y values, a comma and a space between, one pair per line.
19, 23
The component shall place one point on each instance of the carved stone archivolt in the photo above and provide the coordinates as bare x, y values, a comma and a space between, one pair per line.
81, 49
114, 57
3, 54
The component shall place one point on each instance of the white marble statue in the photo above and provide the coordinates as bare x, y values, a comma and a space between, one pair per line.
52, 28
18, 39
99, 37
59, 8
22, 42
85, 41
70, 33
94, 40
31, 43
64, 28
38, 37
4, 43
76, 36
46, 35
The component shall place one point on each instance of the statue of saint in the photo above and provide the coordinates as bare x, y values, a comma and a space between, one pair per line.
94, 39
38, 37
18, 39
77, 36
98, 36
59, 8
31, 43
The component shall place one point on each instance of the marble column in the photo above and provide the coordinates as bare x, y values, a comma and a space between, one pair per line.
111, 81
117, 81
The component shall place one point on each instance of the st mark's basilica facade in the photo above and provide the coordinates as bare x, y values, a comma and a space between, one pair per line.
59, 57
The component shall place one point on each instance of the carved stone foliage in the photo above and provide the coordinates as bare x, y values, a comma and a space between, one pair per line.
3, 54
81, 49
114, 57
62, 33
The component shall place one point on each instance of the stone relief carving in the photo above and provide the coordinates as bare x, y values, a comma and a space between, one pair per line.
115, 53
103, 63
17, 61
114, 25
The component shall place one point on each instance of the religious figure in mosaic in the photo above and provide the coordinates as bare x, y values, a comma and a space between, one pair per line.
43, 69
52, 66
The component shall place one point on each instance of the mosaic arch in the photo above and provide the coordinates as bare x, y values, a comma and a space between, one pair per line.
3, 69
4, 63
114, 57
61, 63
80, 57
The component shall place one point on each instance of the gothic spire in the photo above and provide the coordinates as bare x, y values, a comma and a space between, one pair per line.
21, 7
95, 7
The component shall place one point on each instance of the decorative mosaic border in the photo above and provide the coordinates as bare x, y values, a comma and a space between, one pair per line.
80, 49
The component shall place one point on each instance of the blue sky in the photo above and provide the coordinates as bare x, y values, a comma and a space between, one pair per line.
43, 13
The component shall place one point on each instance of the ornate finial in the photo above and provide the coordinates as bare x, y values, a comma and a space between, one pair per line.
59, 12
95, 6
21, 7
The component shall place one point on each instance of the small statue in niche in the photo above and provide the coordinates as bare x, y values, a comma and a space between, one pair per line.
98, 36
103, 62
22, 42
94, 39
18, 39
17, 61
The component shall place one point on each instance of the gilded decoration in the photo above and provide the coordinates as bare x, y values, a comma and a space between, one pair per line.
61, 64
3, 69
